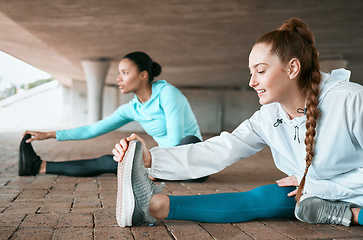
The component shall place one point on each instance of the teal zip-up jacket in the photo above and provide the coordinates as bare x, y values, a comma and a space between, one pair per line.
166, 116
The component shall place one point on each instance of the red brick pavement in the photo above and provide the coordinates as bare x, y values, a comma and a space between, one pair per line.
59, 207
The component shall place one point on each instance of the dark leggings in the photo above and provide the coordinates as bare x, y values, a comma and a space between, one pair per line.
96, 166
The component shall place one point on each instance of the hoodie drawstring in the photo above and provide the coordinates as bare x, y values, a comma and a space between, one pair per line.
297, 135
278, 122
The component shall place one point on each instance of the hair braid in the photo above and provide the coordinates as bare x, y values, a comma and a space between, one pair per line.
312, 114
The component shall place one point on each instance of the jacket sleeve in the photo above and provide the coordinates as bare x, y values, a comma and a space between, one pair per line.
173, 103
356, 117
205, 158
114, 121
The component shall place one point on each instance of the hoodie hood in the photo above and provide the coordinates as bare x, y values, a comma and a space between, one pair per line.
330, 80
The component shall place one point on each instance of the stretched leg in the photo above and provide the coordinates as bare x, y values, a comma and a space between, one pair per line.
269, 201
31, 164
83, 168
188, 140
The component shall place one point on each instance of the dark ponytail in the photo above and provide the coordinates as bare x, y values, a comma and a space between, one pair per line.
145, 63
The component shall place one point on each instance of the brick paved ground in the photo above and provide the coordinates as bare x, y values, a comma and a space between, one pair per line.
58, 207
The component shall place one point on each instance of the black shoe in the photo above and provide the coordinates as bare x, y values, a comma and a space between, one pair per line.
29, 161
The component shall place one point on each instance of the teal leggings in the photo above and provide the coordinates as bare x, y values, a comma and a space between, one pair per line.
269, 201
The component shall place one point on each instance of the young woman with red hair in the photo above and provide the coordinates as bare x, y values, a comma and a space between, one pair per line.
313, 124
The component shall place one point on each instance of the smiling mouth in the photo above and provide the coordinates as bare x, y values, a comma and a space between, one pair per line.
261, 91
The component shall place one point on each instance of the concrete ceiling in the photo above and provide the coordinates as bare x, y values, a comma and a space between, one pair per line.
199, 43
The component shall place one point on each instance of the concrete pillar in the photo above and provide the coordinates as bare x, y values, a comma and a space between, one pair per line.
95, 72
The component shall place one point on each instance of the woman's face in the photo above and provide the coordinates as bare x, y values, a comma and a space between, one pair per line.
129, 78
269, 76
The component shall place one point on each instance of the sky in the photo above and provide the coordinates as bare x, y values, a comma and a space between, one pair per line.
13, 70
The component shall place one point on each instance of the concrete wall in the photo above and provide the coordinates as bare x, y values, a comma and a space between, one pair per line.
216, 110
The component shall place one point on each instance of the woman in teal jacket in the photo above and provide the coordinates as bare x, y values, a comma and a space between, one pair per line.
159, 107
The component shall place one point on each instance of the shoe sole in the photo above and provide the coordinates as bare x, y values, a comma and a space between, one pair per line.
125, 203
22, 164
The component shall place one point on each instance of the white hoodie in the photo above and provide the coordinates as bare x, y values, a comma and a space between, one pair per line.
336, 172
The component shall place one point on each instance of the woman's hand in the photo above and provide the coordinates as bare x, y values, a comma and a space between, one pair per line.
288, 182
39, 135
121, 148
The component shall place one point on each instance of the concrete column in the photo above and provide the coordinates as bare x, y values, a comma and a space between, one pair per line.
95, 72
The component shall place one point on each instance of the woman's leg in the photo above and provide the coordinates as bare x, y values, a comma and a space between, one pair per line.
188, 140
268, 201
83, 168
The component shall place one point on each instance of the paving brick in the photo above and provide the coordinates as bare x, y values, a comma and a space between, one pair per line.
64, 187
31, 194
24, 207
85, 210
105, 218
4, 180
258, 230
73, 233
59, 196
108, 183
186, 230
84, 220
42, 182
294, 230
34, 233
7, 197
10, 219
6, 232
158, 231
108, 199
356, 230
87, 186
86, 202
56, 207
178, 188
327, 230
20, 182
113, 233
40, 221
3, 208
225, 231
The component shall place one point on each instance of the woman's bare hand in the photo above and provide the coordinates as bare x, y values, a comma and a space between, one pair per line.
121, 148
39, 135
288, 182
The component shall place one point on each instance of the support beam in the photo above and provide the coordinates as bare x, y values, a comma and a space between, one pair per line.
95, 72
